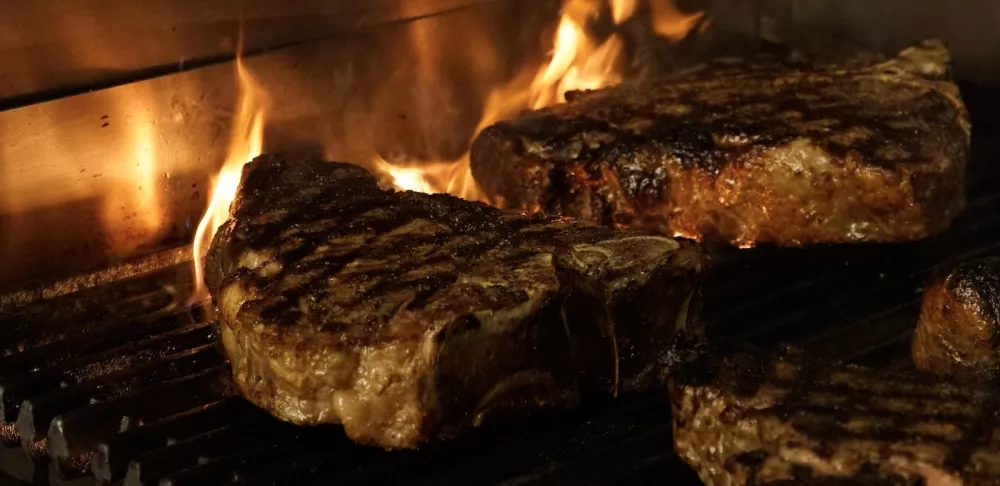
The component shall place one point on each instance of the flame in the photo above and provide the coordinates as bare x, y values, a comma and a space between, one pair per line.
670, 22
453, 177
407, 178
622, 10
245, 142
578, 62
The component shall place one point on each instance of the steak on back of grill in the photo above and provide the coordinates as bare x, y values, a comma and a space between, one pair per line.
958, 334
748, 151
745, 419
407, 317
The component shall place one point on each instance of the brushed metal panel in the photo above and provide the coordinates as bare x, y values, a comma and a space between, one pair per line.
51, 45
969, 27
107, 175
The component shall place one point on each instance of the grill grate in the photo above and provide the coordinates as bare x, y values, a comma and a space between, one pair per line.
115, 385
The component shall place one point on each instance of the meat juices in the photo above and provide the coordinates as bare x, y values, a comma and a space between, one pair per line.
958, 333
748, 151
408, 317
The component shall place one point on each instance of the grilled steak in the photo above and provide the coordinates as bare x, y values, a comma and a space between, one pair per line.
408, 317
745, 419
748, 151
958, 333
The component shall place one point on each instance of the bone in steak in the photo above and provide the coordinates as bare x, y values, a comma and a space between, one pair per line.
747, 419
748, 151
408, 317
958, 333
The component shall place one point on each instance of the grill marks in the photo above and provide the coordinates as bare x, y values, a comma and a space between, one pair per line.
792, 155
848, 419
707, 125
350, 242
369, 241
398, 314
979, 279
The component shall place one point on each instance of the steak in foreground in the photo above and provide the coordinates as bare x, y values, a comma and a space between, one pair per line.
748, 151
409, 317
958, 334
746, 419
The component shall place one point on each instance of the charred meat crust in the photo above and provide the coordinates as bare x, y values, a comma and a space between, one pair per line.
783, 153
786, 419
958, 334
408, 317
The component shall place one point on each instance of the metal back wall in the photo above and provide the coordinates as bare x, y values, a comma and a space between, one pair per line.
94, 178
969, 27
56, 46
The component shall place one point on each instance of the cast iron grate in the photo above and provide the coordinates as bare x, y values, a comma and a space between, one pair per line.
121, 385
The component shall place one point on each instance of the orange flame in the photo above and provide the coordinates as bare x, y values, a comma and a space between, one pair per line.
453, 177
670, 22
245, 143
622, 10
578, 62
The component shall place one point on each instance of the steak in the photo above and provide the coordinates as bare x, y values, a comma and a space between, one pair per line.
410, 317
749, 419
787, 152
958, 333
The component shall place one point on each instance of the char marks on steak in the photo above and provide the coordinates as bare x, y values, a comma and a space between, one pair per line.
748, 151
408, 317
958, 333
749, 419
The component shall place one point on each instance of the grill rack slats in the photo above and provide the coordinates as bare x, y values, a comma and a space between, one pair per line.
38, 412
112, 456
234, 440
84, 312
856, 303
43, 379
76, 433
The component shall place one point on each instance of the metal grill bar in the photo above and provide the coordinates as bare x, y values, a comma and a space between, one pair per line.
75, 433
112, 456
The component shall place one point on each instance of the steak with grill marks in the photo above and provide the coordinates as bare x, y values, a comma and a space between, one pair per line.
409, 317
786, 419
958, 333
788, 152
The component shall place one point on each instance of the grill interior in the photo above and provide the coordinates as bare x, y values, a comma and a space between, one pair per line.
118, 383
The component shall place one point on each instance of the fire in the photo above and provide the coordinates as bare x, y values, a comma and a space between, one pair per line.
245, 142
578, 62
407, 178
453, 177
622, 10
670, 22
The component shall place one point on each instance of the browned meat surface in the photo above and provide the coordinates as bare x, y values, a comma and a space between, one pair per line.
408, 317
958, 334
746, 419
748, 151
